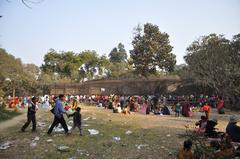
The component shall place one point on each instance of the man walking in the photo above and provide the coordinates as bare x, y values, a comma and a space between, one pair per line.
31, 115
58, 115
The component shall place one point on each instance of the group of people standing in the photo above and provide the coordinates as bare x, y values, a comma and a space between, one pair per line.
58, 112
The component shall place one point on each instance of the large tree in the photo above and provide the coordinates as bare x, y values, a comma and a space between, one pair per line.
64, 64
16, 78
67, 65
152, 51
213, 62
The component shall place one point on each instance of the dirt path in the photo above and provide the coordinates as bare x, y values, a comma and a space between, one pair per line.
12, 122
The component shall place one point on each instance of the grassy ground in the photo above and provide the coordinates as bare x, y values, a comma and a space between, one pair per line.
152, 137
7, 114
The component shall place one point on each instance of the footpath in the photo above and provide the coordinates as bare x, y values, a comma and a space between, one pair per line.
12, 122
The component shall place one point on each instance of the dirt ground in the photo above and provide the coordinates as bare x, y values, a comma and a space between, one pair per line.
150, 136
12, 122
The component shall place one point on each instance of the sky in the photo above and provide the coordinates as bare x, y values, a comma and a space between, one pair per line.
78, 25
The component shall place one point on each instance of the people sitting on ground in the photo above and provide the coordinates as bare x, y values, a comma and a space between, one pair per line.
220, 106
206, 108
232, 129
144, 107
131, 105
117, 108
201, 124
165, 110
157, 111
186, 151
136, 106
126, 110
210, 130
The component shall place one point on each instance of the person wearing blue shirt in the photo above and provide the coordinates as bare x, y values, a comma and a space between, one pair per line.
233, 130
58, 115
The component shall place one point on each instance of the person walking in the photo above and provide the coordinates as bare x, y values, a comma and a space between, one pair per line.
58, 112
31, 117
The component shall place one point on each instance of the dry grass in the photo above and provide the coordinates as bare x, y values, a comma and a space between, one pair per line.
159, 133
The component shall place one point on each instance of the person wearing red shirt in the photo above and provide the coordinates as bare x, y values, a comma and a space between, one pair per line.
206, 108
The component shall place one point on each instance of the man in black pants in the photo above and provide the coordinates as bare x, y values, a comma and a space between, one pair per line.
31, 115
58, 115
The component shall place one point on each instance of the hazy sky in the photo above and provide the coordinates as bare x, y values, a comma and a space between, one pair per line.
77, 25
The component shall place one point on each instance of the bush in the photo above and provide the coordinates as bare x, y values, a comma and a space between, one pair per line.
7, 114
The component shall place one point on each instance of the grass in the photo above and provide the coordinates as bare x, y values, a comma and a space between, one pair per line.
158, 135
7, 114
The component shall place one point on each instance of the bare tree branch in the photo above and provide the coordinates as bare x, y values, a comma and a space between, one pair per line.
23, 1
27, 2
34, 2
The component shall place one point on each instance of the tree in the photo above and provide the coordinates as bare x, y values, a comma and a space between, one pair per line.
213, 62
32, 70
118, 65
65, 64
16, 78
90, 63
118, 54
51, 59
103, 65
151, 51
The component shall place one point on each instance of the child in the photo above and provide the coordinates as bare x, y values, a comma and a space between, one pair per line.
186, 152
77, 119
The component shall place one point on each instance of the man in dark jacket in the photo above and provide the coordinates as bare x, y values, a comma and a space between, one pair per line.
77, 119
31, 115
233, 130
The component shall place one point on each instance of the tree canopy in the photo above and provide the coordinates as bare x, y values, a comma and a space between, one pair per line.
15, 77
213, 62
151, 51
118, 54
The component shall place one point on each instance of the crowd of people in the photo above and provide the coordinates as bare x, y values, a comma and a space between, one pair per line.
184, 105
156, 105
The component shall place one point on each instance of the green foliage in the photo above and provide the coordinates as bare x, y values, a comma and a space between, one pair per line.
90, 63
151, 51
119, 65
7, 114
63, 63
16, 77
213, 62
74, 66
117, 69
118, 54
